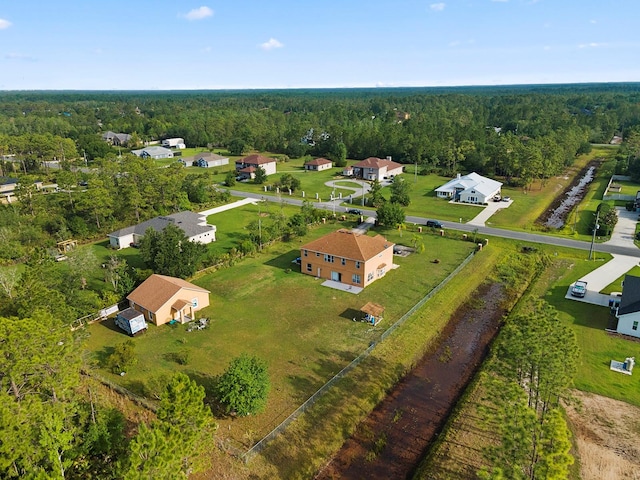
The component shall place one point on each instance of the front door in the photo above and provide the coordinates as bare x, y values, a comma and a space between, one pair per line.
336, 276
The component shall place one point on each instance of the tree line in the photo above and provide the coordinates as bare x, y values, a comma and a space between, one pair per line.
527, 132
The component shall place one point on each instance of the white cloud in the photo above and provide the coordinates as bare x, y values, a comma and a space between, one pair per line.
437, 7
4, 23
271, 44
547, 48
199, 13
593, 22
592, 45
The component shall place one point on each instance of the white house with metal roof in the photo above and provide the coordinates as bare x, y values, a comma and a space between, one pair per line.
194, 226
471, 188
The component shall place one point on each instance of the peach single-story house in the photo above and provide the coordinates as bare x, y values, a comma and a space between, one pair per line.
347, 257
318, 164
162, 299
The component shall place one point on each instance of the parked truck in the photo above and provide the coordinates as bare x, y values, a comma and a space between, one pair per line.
131, 321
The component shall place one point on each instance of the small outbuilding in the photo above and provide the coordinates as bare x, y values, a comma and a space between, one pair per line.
131, 321
372, 313
318, 164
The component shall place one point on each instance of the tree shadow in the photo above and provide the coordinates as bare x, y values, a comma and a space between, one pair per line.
102, 356
211, 398
285, 261
351, 313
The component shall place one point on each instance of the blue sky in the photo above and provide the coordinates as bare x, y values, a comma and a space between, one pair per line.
206, 44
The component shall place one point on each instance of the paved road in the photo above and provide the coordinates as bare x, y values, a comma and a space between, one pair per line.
463, 227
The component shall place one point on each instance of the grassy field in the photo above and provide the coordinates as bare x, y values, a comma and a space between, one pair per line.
628, 187
313, 437
265, 307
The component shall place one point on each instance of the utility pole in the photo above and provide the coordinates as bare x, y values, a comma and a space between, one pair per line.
416, 173
595, 229
333, 197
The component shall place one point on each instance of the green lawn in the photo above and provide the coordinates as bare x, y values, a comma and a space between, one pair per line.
264, 306
424, 202
628, 187
597, 348
616, 285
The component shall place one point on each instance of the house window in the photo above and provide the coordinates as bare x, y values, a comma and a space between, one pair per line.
328, 258
370, 276
194, 302
381, 272
304, 253
357, 264
635, 326
317, 254
343, 261
356, 278
308, 267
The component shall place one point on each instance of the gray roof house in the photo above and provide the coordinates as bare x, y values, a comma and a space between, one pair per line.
194, 226
153, 152
116, 138
628, 314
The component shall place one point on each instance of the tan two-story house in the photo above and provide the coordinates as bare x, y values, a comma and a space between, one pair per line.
347, 257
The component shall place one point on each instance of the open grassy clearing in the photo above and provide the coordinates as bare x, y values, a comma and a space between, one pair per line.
317, 434
265, 307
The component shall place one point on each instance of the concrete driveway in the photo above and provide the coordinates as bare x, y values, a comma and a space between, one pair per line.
486, 213
622, 236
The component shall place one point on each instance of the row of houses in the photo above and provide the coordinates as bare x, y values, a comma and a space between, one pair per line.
345, 257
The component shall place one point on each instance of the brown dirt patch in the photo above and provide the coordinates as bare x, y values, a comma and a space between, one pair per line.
607, 434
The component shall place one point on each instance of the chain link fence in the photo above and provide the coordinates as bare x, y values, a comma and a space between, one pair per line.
260, 445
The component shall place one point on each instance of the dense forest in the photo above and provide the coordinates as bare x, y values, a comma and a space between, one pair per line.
492, 130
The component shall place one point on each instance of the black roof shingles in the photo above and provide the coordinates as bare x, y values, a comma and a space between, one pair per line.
630, 301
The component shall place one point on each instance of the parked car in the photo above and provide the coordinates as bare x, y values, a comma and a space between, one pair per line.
579, 289
497, 198
434, 224
506, 199
297, 261
354, 211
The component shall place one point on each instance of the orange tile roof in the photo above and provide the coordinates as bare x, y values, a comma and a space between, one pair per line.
377, 163
346, 244
156, 290
318, 161
257, 160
